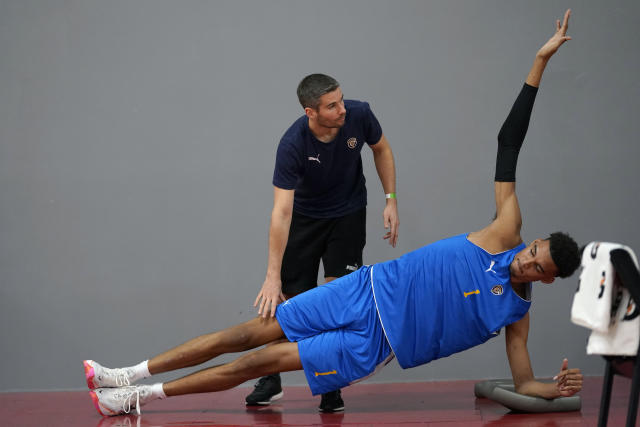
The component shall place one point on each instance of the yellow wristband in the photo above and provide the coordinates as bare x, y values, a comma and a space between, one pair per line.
390, 196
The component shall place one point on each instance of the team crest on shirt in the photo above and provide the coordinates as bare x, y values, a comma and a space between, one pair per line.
497, 290
352, 142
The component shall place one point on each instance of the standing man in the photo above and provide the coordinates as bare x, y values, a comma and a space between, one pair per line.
319, 204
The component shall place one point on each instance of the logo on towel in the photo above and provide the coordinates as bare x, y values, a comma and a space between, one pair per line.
476, 292
632, 311
352, 143
497, 290
604, 276
326, 373
594, 250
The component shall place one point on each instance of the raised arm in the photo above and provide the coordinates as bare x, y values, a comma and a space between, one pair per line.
511, 136
548, 49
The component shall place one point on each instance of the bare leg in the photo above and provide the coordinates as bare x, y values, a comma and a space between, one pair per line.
280, 357
245, 336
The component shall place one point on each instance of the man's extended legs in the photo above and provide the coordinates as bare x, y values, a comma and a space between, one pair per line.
280, 357
110, 398
242, 337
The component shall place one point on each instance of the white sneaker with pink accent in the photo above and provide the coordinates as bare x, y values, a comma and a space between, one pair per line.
121, 400
98, 376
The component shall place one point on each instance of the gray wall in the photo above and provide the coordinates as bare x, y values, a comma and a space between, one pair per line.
137, 144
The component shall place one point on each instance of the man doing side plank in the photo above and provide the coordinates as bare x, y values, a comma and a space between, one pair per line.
435, 301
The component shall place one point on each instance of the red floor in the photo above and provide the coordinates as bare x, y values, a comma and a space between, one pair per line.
426, 404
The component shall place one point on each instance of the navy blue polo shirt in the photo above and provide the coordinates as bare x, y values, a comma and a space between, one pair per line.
327, 176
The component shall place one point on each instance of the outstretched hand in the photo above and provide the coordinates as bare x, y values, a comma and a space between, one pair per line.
269, 297
568, 381
560, 36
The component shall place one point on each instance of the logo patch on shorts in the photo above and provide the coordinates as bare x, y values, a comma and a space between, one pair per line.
352, 143
497, 290
326, 373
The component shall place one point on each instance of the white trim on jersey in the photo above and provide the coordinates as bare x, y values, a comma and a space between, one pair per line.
373, 290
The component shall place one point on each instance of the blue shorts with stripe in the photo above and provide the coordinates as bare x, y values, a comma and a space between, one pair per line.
339, 335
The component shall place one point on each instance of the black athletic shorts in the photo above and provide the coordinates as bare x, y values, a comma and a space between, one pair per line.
339, 242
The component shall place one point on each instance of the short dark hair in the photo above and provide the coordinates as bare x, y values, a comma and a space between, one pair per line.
564, 252
312, 87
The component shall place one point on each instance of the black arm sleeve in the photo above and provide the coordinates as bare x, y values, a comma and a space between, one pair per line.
512, 133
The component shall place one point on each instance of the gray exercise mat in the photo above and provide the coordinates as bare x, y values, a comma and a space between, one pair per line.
503, 392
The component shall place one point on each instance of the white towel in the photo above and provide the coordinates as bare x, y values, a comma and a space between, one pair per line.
592, 302
601, 303
623, 336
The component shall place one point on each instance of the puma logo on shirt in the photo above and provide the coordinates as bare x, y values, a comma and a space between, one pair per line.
490, 268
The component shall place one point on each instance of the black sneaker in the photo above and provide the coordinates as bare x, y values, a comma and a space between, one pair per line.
267, 390
331, 402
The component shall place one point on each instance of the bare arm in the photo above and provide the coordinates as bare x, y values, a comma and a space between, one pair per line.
270, 294
567, 382
548, 49
385, 166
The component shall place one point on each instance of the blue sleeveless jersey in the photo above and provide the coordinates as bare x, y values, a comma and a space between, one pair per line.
444, 298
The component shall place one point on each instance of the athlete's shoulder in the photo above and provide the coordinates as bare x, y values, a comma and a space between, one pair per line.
492, 239
361, 118
356, 107
457, 239
296, 134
